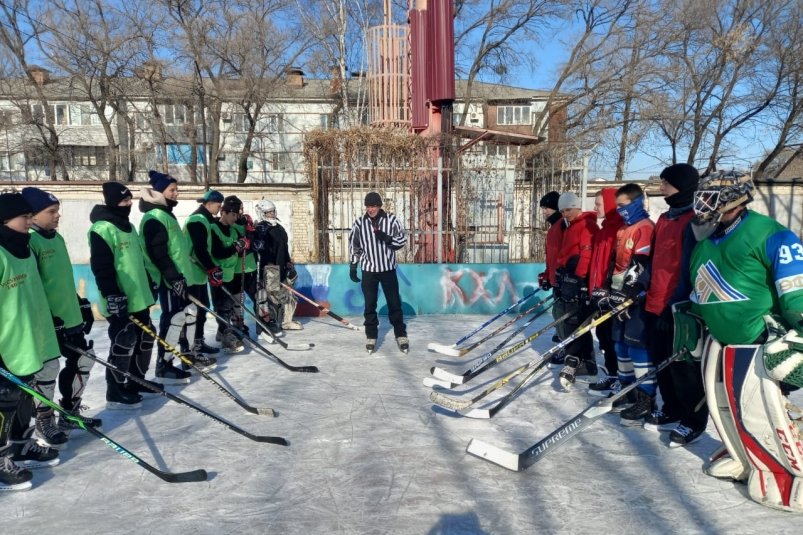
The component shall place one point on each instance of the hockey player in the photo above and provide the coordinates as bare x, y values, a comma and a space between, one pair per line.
245, 271
27, 339
554, 237
681, 384
571, 277
198, 230
227, 247
373, 241
117, 260
629, 278
72, 317
168, 252
277, 267
746, 273
603, 249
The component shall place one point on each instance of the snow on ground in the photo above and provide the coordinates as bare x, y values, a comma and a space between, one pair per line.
370, 454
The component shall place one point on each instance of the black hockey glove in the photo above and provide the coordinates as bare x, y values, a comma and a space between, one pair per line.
215, 276
543, 281
242, 245
86, 314
383, 237
292, 274
571, 287
78, 340
117, 305
61, 332
353, 273
599, 296
179, 287
632, 291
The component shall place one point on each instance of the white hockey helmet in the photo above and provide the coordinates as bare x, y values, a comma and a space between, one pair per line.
266, 211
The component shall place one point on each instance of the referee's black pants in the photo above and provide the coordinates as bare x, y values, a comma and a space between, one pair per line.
390, 287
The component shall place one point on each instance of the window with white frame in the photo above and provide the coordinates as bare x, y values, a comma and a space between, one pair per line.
60, 114
272, 123
512, 115
280, 161
7, 162
173, 114
82, 156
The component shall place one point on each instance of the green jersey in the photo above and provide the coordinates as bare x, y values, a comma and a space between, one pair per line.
229, 264
27, 337
55, 270
250, 257
129, 264
755, 268
178, 247
197, 274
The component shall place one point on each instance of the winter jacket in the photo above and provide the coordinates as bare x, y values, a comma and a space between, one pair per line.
604, 242
575, 249
554, 238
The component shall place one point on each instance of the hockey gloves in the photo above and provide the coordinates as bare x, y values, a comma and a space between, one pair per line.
783, 353
572, 288
543, 281
689, 331
179, 286
383, 237
86, 313
242, 245
292, 274
215, 276
117, 305
353, 273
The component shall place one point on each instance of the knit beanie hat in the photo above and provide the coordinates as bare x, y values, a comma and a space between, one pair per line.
373, 199
211, 196
682, 176
568, 200
550, 200
160, 181
39, 199
13, 205
114, 192
232, 204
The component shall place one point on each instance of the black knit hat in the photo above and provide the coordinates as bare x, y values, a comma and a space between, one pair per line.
13, 205
114, 192
160, 181
231, 204
682, 176
39, 199
550, 200
373, 199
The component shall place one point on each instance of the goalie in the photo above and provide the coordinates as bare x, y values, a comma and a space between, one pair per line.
747, 288
274, 301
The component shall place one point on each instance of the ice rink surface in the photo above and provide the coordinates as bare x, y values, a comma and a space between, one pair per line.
370, 454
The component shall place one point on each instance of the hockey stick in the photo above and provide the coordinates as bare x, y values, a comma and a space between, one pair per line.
256, 438
481, 327
294, 347
170, 477
481, 365
256, 345
454, 351
536, 452
185, 360
321, 308
459, 405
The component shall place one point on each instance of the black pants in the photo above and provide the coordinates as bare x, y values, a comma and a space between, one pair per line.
390, 287
681, 383
16, 409
607, 346
201, 293
131, 347
224, 305
583, 347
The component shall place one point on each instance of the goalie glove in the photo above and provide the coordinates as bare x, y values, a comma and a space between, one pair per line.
783, 356
689, 332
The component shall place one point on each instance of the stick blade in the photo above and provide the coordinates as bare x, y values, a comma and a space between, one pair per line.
279, 441
493, 454
479, 414
305, 369
299, 347
449, 403
450, 351
193, 476
443, 375
430, 382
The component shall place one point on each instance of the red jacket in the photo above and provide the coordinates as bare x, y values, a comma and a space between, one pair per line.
666, 260
554, 237
604, 242
575, 251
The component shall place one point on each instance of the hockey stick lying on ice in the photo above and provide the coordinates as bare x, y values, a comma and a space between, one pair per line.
536, 452
185, 360
433, 345
449, 380
253, 343
256, 438
258, 320
170, 477
322, 308
454, 351
460, 405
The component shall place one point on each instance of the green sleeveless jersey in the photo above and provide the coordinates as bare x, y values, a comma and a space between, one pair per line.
27, 336
756, 268
250, 257
197, 274
55, 270
177, 246
129, 263
228, 265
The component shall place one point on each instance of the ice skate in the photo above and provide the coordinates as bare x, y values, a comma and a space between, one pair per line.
404, 344
370, 345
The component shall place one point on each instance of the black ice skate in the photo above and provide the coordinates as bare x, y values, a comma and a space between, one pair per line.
403, 343
370, 345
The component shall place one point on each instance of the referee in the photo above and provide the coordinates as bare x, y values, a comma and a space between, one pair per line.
374, 239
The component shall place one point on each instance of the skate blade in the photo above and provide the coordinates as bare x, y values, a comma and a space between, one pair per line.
17, 486
34, 465
115, 406
170, 381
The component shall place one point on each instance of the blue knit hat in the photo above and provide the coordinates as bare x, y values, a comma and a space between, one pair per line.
160, 181
39, 199
211, 196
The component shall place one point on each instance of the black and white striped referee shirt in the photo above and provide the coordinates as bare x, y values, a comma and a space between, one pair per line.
374, 256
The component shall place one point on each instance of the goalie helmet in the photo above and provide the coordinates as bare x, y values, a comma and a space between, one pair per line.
717, 194
266, 211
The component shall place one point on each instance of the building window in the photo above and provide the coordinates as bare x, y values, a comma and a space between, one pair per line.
6, 162
80, 156
241, 123
7, 117
512, 115
272, 123
60, 114
280, 161
173, 114
181, 154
